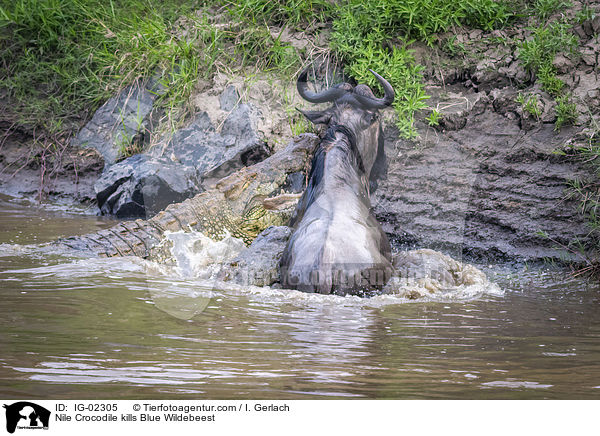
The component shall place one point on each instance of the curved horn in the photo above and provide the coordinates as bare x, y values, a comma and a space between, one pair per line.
330, 94
378, 103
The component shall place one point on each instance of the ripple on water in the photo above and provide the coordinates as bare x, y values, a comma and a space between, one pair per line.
515, 384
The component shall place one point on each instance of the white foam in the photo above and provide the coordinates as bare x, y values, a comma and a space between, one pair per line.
201, 257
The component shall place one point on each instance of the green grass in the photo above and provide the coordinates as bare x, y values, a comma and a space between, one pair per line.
421, 19
376, 34
544, 8
258, 49
399, 68
566, 112
433, 119
546, 42
529, 104
586, 14
294, 13
537, 55
62, 58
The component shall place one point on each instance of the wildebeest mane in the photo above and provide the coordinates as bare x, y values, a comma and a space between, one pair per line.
317, 170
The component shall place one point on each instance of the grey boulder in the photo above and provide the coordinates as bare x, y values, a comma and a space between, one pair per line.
141, 186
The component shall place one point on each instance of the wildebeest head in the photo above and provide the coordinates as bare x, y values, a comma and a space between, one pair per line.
355, 108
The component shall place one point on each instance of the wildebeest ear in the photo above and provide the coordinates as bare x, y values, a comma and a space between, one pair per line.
316, 117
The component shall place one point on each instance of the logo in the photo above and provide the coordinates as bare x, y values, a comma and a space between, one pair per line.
26, 415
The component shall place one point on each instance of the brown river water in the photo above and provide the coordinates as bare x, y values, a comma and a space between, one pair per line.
76, 327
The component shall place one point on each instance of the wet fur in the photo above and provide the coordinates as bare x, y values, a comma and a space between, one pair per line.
334, 231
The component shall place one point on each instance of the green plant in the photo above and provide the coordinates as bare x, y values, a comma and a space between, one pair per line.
454, 48
545, 43
376, 34
530, 104
257, 48
585, 14
550, 82
434, 118
538, 52
130, 137
566, 112
62, 58
281, 12
401, 71
423, 19
545, 8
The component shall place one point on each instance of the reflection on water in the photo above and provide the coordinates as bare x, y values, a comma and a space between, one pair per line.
122, 328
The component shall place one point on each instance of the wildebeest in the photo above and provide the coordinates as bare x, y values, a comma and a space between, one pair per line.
337, 246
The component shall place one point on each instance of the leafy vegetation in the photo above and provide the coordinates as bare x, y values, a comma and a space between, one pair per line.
434, 118
538, 53
419, 19
566, 112
545, 8
62, 58
283, 12
585, 14
530, 104
376, 34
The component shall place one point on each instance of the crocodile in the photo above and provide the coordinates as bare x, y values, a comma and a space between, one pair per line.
242, 205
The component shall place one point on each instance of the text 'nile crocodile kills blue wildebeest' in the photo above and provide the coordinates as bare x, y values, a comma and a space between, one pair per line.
337, 246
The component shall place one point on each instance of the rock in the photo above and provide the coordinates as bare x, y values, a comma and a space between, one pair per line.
580, 31
504, 102
216, 155
596, 25
141, 186
198, 154
229, 98
475, 34
587, 88
258, 265
549, 110
589, 55
120, 121
489, 74
514, 71
453, 107
562, 64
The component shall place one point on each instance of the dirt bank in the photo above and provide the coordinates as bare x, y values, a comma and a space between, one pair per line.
48, 173
485, 189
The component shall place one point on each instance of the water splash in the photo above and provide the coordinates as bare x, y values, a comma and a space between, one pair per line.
201, 257
421, 275
426, 273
